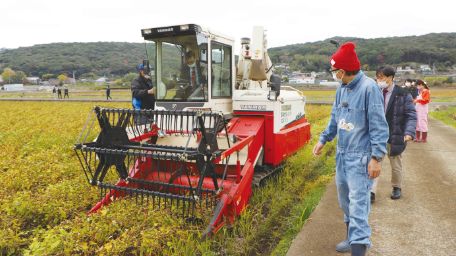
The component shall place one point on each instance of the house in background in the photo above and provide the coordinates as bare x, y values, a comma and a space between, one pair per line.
426, 70
70, 80
101, 80
33, 80
302, 78
405, 71
54, 82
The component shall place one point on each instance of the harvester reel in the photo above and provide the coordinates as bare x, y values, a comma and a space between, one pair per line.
182, 177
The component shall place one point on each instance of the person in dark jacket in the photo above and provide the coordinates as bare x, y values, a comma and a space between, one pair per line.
411, 88
142, 90
66, 93
108, 93
143, 94
401, 117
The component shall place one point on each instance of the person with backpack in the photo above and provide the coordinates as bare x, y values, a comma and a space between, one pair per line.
142, 90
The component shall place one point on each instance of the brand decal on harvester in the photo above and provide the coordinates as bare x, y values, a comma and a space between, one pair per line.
286, 107
284, 116
164, 30
253, 107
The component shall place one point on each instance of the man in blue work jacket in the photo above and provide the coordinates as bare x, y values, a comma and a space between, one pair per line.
358, 119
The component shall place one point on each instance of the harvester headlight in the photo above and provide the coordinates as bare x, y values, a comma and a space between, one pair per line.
184, 27
147, 31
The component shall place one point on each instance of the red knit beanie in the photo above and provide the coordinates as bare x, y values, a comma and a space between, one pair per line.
345, 58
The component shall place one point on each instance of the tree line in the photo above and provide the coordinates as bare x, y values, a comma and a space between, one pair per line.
436, 50
87, 60
90, 60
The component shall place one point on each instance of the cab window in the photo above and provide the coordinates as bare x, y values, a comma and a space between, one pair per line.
221, 70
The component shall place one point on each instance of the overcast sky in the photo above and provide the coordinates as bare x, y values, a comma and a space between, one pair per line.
29, 22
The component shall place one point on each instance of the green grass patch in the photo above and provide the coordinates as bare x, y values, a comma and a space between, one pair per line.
301, 212
446, 115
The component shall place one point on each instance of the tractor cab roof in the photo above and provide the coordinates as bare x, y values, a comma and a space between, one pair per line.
179, 30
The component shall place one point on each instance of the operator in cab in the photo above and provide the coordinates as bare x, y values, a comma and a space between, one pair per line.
193, 72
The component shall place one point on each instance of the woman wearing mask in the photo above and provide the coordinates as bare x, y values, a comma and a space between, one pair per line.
422, 102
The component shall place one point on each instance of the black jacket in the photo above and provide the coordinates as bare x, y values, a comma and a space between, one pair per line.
412, 90
401, 118
139, 88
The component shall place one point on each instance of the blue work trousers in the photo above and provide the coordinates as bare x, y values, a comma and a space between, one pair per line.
353, 189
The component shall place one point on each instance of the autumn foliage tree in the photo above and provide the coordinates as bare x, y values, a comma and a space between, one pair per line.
8, 74
11, 76
62, 78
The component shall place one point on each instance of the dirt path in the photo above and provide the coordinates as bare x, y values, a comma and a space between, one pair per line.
422, 222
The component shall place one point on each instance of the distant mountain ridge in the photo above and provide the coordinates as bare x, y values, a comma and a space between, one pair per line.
437, 49
119, 58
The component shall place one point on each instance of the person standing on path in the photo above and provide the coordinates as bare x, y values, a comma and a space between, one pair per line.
422, 110
401, 117
54, 92
65, 93
108, 93
358, 119
59, 92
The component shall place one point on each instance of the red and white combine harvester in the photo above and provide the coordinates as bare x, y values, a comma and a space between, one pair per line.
216, 130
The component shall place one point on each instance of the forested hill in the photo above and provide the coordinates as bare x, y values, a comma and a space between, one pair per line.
100, 58
118, 58
437, 49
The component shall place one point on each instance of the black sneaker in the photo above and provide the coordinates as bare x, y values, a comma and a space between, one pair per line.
396, 194
372, 197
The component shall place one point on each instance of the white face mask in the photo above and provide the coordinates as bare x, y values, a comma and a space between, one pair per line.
382, 84
192, 65
334, 74
408, 84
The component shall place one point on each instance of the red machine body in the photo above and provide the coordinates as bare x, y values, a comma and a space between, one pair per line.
254, 134
217, 128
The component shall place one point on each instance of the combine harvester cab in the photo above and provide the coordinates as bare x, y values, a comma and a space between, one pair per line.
214, 134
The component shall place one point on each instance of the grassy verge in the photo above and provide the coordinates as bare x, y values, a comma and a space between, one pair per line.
448, 116
302, 211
